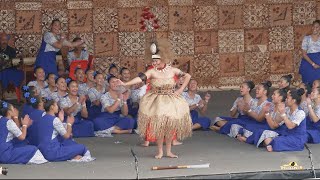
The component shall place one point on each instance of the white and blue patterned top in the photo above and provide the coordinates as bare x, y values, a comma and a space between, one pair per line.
66, 103
310, 46
46, 92
258, 108
13, 129
136, 94
106, 101
252, 104
37, 86
94, 94
317, 110
56, 97
304, 106
297, 116
191, 101
83, 89
72, 57
50, 39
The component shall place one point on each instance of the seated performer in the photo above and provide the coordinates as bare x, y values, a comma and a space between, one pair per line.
61, 92
50, 128
51, 88
197, 104
95, 94
10, 152
40, 82
313, 123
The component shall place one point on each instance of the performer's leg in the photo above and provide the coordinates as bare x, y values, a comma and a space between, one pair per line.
160, 148
168, 147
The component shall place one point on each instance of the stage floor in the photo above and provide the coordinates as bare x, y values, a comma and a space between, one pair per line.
228, 157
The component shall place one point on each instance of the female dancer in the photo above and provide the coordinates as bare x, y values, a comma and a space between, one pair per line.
163, 109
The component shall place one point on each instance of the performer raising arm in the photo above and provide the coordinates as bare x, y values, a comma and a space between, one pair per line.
163, 109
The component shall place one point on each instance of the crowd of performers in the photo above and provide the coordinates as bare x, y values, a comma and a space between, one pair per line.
162, 105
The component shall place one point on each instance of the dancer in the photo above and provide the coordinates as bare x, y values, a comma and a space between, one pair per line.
163, 109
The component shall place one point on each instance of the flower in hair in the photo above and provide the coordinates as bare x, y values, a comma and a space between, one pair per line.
33, 100
26, 94
95, 73
68, 80
25, 88
4, 104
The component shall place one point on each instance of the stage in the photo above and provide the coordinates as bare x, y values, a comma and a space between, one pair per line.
228, 157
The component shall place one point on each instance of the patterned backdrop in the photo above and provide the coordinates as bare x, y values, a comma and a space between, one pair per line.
220, 42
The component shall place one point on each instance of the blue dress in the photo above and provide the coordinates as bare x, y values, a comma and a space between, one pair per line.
10, 75
313, 129
307, 71
12, 153
196, 119
26, 109
50, 128
94, 95
81, 127
252, 104
32, 136
46, 57
108, 120
292, 139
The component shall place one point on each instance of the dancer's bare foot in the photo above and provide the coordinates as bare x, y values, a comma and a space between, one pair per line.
159, 155
215, 128
176, 143
241, 138
269, 148
145, 144
171, 155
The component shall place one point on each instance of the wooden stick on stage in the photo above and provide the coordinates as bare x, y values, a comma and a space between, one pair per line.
181, 167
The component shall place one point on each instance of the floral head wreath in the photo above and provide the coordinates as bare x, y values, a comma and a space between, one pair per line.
33, 100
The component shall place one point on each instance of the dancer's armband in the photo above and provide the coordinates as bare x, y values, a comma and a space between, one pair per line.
143, 77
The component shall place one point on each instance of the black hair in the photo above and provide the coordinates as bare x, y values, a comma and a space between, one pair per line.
250, 84
47, 104
288, 79
4, 108
76, 70
76, 39
88, 69
266, 86
69, 83
122, 69
112, 66
296, 94
55, 20
283, 93
35, 101
110, 77
36, 69
316, 22
69, 80
308, 88
60, 77
95, 74
47, 77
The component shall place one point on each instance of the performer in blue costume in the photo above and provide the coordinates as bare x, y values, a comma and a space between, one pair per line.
51, 128
293, 136
10, 151
75, 106
313, 123
196, 103
310, 64
52, 42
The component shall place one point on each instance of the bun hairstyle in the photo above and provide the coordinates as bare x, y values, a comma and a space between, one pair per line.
283, 93
50, 74
48, 102
95, 74
110, 77
296, 95
112, 66
57, 79
4, 108
266, 86
288, 78
122, 69
250, 84
68, 81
